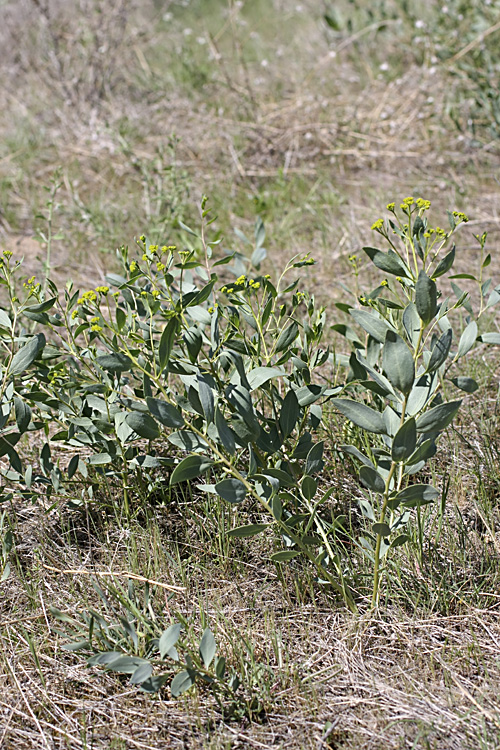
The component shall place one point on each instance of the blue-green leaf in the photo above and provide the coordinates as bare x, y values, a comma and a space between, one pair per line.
466, 384
289, 413
168, 639
439, 417
382, 529
189, 468
361, 415
116, 362
231, 490
27, 354
208, 647
166, 342
405, 441
285, 555
225, 433
165, 413
261, 375
445, 264
250, 530
181, 683
371, 323
207, 399
398, 363
144, 425
440, 350
388, 262
425, 297
371, 479
467, 339
287, 337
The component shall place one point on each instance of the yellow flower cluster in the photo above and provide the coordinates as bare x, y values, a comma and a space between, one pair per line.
102, 289
160, 266
391, 206
155, 293
96, 328
378, 224
423, 204
30, 284
89, 296
460, 216
254, 284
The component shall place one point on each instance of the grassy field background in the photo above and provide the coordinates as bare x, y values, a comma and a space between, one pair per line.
311, 116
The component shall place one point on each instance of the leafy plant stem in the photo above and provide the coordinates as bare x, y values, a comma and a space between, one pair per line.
393, 467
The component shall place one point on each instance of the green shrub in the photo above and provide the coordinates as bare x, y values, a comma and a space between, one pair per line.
227, 367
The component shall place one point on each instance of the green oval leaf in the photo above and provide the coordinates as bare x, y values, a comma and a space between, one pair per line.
425, 450
382, 529
289, 414
189, 468
361, 415
168, 639
181, 682
208, 647
165, 413
440, 351
398, 363
467, 339
116, 362
166, 342
309, 487
27, 354
399, 541
231, 490
425, 297
405, 441
445, 264
144, 425
371, 479
141, 674
411, 322
225, 433
490, 338
439, 417
261, 375
23, 414
285, 555
371, 323
287, 337
418, 492
244, 531
207, 399
389, 262
466, 384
